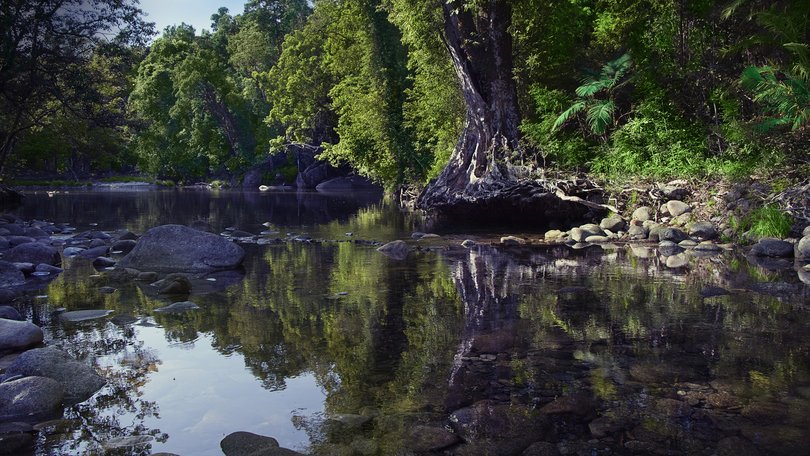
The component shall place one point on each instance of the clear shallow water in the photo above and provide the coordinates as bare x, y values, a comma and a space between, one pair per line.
333, 348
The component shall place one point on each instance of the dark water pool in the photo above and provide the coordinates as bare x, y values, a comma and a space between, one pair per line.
333, 348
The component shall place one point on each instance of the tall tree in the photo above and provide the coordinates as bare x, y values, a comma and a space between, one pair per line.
45, 50
478, 39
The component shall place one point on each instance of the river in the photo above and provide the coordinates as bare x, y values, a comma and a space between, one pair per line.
331, 347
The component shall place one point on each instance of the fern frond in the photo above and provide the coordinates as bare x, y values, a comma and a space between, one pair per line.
729, 10
568, 114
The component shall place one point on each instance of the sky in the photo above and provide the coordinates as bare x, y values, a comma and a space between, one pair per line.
195, 12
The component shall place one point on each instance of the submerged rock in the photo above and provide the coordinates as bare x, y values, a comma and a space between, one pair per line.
10, 275
82, 315
177, 307
430, 438
78, 380
180, 248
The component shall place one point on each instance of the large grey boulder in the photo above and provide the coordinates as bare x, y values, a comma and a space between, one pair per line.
33, 252
78, 380
28, 396
180, 248
10, 275
773, 248
703, 230
15, 335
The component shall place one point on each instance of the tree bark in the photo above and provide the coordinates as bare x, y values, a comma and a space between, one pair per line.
478, 183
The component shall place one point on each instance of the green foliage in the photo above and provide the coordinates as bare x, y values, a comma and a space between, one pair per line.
655, 143
596, 97
565, 149
767, 221
783, 96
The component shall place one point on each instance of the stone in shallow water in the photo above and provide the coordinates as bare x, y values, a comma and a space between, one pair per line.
249, 444
397, 250
712, 291
32, 395
490, 420
16, 334
736, 446
78, 380
430, 438
126, 442
82, 315
177, 307
773, 248
576, 404
541, 449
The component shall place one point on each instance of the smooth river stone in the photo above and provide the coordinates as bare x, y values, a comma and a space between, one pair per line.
82, 315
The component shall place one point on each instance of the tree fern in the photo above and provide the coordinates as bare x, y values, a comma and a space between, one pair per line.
568, 114
600, 116
784, 97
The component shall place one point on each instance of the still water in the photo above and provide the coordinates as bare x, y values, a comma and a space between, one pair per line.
333, 348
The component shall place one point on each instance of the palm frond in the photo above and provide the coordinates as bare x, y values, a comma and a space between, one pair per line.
592, 88
568, 114
600, 116
729, 10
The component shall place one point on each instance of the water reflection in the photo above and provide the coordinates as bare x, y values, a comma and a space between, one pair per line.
333, 348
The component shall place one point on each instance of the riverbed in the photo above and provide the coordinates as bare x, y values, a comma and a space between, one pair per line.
331, 347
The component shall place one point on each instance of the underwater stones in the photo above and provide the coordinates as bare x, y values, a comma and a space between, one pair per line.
679, 260
16, 335
249, 444
541, 449
669, 248
78, 380
773, 248
491, 420
712, 291
660, 373
397, 250
430, 438
84, 315
10, 275
736, 446
32, 395
575, 404
180, 248
177, 307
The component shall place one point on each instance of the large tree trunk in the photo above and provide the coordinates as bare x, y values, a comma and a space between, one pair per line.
478, 182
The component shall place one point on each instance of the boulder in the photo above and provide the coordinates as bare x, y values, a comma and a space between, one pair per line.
677, 208
70, 252
613, 223
125, 245
249, 444
47, 268
14, 241
28, 396
642, 213
33, 252
703, 231
180, 248
10, 313
16, 335
103, 262
397, 250
803, 247
173, 284
575, 404
581, 233
672, 234
127, 235
669, 248
637, 232
773, 248
78, 380
10, 276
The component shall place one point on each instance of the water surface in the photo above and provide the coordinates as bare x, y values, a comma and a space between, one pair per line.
333, 348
